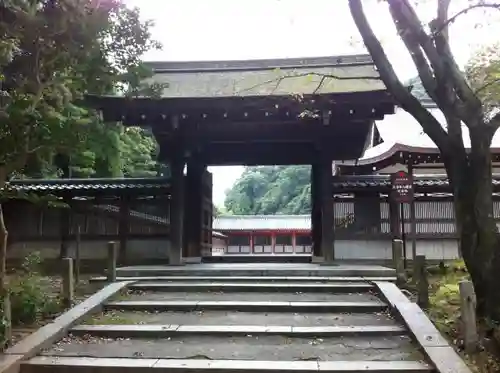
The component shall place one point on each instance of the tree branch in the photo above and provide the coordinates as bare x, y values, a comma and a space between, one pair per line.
452, 19
407, 101
472, 106
487, 85
418, 57
409, 18
323, 77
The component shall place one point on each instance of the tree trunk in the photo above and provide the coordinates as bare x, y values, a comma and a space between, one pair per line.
4, 292
471, 178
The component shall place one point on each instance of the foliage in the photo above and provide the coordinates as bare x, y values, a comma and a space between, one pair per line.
483, 71
29, 299
54, 52
269, 190
444, 311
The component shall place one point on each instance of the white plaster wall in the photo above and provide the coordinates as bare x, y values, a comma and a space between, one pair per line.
143, 249
378, 249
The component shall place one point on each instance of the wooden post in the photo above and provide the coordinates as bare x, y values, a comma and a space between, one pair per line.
468, 311
176, 210
68, 282
77, 254
413, 220
421, 280
193, 216
327, 211
316, 232
4, 290
397, 255
124, 228
111, 261
64, 230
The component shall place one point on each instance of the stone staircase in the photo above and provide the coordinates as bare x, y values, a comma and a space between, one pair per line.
295, 318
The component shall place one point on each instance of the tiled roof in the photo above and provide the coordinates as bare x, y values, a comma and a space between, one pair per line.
84, 185
401, 132
262, 222
384, 181
277, 77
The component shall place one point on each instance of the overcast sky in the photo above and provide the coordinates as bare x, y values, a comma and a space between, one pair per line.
253, 29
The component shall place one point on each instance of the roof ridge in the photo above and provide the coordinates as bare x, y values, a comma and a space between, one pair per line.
252, 64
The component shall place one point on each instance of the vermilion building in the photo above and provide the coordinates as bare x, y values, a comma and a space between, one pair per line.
265, 235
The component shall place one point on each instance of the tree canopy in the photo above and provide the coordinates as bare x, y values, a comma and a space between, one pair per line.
270, 190
53, 53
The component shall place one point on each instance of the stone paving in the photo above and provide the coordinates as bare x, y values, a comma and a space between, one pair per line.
248, 347
252, 297
356, 339
243, 318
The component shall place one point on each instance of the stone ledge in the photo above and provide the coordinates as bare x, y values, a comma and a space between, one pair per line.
269, 279
90, 365
191, 259
10, 363
48, 334
254, 286
434, 345
270, 306
157, 331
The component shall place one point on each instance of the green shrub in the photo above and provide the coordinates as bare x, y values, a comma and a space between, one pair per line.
29, 299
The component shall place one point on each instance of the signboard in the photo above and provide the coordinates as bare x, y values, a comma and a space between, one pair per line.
401, 187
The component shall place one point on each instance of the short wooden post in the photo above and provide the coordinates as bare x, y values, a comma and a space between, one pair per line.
68, 282
397, 256
112, 252
421, 281
77, 254
7, 318
468, 310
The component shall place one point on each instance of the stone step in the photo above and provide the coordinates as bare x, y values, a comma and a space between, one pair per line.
254, 287
163, 331
262, 306
221, 317
243, 347
260, 279
92, 365
259, 269
275, 296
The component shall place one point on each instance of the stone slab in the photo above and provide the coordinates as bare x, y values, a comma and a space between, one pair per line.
10, 363
446, 360
253, 287
275, 296
162, 331
415, 318
267, 279
84, 365
391, 293
434, 345
42, 364
268, 306
317, 260
50, 333
259, 269
225, 317
191, 260
244, 347
332, 331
